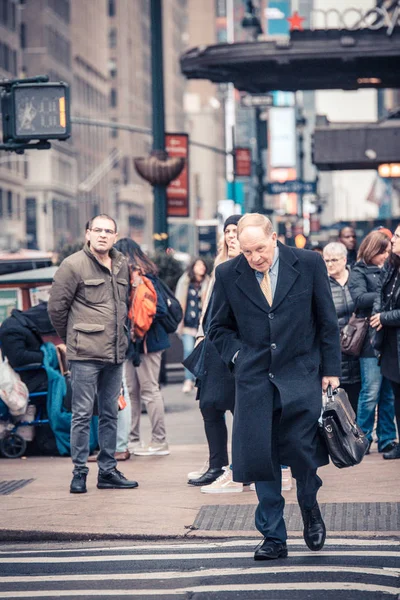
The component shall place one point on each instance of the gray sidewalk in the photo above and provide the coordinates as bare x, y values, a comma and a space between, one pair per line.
362, 499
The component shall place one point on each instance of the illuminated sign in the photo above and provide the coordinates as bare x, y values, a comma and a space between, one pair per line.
36, 111
389, 170
242, 162
351, 19
177, 144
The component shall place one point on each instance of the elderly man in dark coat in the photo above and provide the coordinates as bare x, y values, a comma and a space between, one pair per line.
275, 325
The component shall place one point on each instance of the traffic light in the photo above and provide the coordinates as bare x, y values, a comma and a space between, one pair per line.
35, 111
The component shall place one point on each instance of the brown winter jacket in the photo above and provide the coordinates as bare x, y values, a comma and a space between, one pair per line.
88, 306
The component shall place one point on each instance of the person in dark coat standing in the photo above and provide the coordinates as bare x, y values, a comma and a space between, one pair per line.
386, 320
376, 392
275, 324
335, 257
216, 386
347, 237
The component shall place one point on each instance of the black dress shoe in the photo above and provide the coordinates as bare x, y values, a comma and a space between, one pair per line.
390, 446
78, 484
114, 480
394, 453
314, 527
269, 550
207, 478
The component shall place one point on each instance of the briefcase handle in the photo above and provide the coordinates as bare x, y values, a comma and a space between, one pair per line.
330, 392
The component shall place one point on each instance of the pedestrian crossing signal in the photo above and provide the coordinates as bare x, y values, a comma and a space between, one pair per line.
36, 111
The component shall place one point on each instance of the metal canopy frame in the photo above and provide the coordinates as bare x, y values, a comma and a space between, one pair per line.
309, 60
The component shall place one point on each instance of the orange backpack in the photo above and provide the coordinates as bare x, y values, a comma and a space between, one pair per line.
142, 305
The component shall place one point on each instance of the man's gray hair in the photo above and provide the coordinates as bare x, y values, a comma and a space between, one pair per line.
336, 249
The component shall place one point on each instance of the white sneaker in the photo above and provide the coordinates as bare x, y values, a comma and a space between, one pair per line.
132, 446
287, 483
153, 449
187, 386
197, 474
223, 485
253, 487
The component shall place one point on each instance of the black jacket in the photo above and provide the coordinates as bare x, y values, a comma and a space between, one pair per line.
389, 318
20, 339
344, 306
363, 284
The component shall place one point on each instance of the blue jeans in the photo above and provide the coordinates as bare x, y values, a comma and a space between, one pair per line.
188, 342
376, 391
88, 379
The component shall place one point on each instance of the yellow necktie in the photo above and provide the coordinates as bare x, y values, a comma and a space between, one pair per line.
266, 287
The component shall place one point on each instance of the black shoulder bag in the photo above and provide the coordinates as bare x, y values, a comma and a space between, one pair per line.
345, 441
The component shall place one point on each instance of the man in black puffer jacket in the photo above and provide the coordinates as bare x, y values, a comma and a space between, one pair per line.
21, 338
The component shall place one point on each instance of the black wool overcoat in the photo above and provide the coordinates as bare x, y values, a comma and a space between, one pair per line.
288, 346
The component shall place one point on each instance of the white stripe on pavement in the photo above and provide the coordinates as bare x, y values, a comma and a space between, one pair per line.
360, 587
207, 545
382, 572
200, 555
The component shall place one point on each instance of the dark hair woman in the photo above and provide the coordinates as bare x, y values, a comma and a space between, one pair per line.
142, 380
191, 291
376, 391
386, 319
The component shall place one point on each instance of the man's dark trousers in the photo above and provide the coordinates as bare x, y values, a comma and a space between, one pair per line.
269, 513
88, 379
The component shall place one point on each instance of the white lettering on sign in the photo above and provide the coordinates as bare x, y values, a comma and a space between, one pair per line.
353, 19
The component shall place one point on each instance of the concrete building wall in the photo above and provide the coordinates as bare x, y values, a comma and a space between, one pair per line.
50, 184
12, 213
91, 98
205, 119
130, 77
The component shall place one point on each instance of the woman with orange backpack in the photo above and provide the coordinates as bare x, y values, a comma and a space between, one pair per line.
148, 340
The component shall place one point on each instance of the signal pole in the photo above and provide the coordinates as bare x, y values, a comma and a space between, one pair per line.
160, 225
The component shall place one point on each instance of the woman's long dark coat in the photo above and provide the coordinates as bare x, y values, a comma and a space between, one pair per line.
389, 318
217, 383
288, 346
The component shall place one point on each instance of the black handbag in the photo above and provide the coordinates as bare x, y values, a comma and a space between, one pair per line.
353, 335
345, 441
195, 361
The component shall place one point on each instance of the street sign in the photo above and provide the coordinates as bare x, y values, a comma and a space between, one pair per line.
292, 187
177, 144
249, 100
242, 162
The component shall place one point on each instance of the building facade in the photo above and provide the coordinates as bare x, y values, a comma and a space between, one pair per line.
12, 166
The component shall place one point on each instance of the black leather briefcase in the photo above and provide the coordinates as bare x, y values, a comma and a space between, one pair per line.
345, 440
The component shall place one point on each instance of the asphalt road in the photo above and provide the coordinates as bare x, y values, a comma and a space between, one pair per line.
347, 569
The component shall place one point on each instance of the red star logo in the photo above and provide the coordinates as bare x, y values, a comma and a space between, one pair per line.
296, 22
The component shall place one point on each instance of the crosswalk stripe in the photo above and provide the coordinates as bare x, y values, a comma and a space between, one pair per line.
325, 586
200, 555
205, 545
240, 571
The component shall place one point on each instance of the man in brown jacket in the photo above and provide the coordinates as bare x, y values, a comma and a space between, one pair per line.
88, 308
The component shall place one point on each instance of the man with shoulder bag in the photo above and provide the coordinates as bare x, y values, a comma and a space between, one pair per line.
275, 326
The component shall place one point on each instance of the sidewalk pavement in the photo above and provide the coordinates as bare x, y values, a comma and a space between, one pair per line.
164, 505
